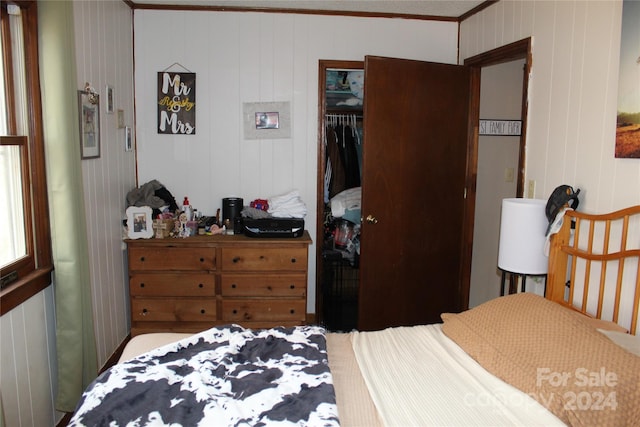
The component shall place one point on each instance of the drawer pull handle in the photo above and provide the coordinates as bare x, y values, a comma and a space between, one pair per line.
235, 311
201, 286
269, 288
141, 259
202, 311
201, 259
233, 286
293, 260
144, 311
261, 256
236, 260
292, 286
142, 285
292, 311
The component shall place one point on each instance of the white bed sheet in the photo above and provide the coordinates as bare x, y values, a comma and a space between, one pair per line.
417, 376
141, 344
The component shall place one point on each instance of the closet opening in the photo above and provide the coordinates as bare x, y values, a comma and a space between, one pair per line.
414, 160
339, 193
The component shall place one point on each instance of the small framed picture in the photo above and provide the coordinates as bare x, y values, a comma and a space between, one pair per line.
139, 222
128, 139
110, 99
89, 112
267, 120
120, 119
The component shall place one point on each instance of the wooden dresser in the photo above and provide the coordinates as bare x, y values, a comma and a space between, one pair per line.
189, 285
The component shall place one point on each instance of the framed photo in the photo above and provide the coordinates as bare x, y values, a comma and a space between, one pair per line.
120, 119
89, 112
128, 139
139, 222
266, 120
110, 99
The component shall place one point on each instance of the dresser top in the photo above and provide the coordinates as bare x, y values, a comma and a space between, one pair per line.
222, 239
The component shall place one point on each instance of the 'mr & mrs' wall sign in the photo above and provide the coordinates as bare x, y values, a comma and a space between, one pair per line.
176, 103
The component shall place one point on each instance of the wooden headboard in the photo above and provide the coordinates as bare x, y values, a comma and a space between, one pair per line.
594, 265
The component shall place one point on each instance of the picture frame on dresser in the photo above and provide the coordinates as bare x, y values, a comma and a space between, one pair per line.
139, 222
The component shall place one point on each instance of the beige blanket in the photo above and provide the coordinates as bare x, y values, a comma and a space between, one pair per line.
355, 407
558, 358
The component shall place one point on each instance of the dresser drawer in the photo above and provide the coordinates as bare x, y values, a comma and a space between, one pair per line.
171, 258
264, 310
192, 284
248, 285
172, 284
264, 259
180, 309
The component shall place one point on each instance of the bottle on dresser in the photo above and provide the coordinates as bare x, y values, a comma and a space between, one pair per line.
186, 208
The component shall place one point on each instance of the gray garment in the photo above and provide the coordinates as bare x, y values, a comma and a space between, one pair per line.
145, 195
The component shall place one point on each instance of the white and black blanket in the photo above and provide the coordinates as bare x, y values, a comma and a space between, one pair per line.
227, 376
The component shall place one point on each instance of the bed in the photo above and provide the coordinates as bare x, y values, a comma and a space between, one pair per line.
570, 358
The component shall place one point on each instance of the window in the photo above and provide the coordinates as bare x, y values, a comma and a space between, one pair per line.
25, 252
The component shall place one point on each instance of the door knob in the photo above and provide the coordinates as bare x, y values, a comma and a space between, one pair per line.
371, 219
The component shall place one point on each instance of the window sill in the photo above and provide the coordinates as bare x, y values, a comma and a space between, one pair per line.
24, 288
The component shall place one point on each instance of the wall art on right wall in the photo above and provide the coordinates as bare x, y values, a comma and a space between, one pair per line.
628, 116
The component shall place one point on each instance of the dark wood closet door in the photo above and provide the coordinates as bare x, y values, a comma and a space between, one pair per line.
416, 116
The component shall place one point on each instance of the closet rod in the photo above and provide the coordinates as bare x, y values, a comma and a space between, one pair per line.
334, 119
337, 115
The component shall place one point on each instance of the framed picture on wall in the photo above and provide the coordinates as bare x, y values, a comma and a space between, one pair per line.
627, 142
110, 99
128, 139
89, 115
266, 120
500, 127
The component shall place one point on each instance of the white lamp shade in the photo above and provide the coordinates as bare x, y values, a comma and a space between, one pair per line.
522, 236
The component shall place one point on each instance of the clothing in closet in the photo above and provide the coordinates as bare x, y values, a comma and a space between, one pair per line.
344, 155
